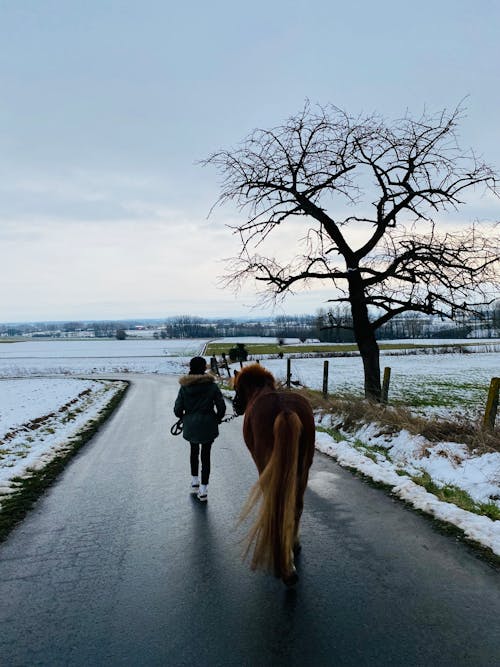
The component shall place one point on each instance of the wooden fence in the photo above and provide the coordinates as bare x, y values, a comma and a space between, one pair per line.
490, 412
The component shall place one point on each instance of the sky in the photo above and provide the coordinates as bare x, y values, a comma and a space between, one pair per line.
108, 106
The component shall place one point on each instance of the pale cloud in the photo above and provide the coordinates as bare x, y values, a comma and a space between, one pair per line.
148, 259
102, 202
141, 268
138, 268
82, 195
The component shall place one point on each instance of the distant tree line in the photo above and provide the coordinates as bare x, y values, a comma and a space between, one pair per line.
335, 325
295, 326
327, 325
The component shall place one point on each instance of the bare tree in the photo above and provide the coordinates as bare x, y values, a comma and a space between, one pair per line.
385, 182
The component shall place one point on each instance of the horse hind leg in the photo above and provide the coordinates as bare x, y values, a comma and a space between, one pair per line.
297, 546
291, 578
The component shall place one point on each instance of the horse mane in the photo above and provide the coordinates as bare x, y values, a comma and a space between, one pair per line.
256, 376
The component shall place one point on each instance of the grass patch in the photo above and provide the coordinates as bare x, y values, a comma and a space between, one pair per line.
353, 411
256, 349
457, 496
373, 452
15, 506
441, 393
225, 384
332, 432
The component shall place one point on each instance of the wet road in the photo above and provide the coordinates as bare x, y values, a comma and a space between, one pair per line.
119, 565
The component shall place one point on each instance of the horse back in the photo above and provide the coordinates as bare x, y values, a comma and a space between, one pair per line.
260, 416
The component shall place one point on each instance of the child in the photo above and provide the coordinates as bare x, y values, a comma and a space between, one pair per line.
201, 406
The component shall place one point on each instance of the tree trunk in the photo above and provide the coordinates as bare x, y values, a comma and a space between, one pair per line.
370, 354
364, 334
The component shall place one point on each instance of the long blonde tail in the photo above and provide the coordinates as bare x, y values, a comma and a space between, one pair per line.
273, 532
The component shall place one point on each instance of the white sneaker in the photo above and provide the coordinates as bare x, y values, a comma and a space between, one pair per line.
203, 493
195, 484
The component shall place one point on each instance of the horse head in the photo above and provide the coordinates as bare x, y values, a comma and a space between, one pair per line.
249, 381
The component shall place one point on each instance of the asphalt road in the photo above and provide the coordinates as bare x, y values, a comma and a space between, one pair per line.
118, 565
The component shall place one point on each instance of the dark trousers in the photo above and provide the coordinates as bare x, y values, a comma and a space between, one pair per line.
205, 460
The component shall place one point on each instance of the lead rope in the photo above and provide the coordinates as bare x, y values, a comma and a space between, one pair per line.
176, 429
230, 418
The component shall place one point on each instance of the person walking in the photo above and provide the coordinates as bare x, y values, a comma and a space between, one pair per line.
201, 406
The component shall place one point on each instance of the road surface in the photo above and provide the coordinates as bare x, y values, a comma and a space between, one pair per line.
118, 565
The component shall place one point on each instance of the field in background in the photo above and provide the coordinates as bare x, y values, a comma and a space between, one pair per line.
257, 349
434, 384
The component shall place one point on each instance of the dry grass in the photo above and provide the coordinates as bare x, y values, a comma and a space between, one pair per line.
354, 411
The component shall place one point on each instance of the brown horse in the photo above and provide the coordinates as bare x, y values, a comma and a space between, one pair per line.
279, 431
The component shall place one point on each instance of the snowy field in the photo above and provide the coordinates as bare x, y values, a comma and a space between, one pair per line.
83, 357
38, 416
437, 382
34, 384
74, 349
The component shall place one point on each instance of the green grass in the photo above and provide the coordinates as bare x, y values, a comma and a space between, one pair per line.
336, 435
28, 489
373, 452
256, 349
457, 496
440, 393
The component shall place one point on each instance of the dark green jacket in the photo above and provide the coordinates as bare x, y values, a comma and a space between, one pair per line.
201, 406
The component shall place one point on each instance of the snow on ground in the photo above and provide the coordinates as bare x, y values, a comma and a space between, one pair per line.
444, 384
479, 476
40, 416
96, 356
101, 349
24, 400
437, 383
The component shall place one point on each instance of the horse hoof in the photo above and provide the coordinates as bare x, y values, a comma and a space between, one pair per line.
291, 579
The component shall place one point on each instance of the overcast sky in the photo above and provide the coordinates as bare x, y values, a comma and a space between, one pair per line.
107, 105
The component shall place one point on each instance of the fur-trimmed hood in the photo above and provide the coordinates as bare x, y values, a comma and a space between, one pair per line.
189, 380
201, 406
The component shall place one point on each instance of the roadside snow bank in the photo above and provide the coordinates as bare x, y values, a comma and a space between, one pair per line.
40, 417
446, 463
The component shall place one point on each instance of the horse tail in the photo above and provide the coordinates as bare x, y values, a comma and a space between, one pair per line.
274, 529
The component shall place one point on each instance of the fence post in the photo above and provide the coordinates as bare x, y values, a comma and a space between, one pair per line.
214, 365
288, 372
325, 378
492, 404
226, 364
385, 384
